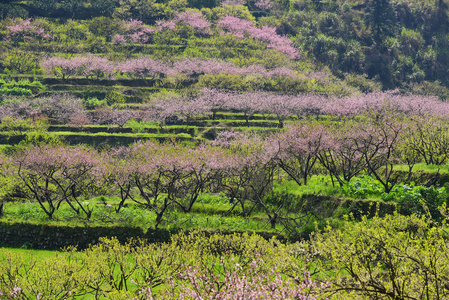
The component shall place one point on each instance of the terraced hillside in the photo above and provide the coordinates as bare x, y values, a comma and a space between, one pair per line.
259, 149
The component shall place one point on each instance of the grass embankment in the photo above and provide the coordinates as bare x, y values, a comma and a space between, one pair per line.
209, 213
422, 167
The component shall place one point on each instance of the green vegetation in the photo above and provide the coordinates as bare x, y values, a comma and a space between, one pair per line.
207, 214
394, 256
110, 270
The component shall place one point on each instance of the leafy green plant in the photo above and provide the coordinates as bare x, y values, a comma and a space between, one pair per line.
16, 126
419, 200
16, 91
22, 87
94, 102
362, 187
41, 138
21, 62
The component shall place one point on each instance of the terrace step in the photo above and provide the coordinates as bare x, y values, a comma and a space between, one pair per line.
129, 82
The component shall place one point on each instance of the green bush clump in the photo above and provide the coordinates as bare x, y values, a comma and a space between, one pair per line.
363, 187
420, 200
22, 87
17, 126
16, 91
395, 257
94, 102
213, 198
410, 199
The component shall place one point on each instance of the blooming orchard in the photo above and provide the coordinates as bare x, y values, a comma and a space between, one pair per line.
145, 67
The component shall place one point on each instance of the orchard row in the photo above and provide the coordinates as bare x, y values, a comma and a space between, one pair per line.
144, 67
167, 107
163, 177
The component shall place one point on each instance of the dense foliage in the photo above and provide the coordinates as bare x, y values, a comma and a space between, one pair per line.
384, 258
395, 257
399, 43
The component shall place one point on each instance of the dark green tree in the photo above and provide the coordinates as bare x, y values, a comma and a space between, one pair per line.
381, 17
440, 19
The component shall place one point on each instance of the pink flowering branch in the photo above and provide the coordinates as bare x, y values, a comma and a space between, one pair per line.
135, 32
23, 30
229, 280
244, 28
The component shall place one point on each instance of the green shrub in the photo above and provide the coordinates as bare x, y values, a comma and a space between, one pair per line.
363, 187
16, 91
225, 81
22, 87
136, 126
94, 102
395, 257
21, 62
16, 126
40, 138
364, 84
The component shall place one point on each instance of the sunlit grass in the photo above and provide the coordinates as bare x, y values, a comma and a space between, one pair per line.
317, 185
37, 254
422, 167
209, 212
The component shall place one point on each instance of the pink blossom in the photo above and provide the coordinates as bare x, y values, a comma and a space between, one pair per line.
23, 29
192, 18
263, 4
135, 32
163, 24
63, 67
118, 39
242, 28
233, 282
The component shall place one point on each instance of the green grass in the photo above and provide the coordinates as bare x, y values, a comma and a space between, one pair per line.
317, 185
210, 212
140, 135
422, 167
38, 254
5, 148
360, 187
217, 222
31, 212
125, 135
176, 131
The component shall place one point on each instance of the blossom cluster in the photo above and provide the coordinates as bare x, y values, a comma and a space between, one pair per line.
64, 108
245, 28
238, 283
92, 66
23, 30
136, 32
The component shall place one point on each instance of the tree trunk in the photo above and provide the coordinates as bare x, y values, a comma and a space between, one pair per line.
273, 221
